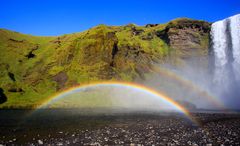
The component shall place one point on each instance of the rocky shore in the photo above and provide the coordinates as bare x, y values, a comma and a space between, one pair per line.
131, 129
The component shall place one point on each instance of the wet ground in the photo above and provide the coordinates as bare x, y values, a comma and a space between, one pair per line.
60, 127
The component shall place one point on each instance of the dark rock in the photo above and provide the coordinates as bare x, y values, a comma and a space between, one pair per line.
30, 55
11, 76
61, 78
151, 25
3, 97
18, 41
136, 31
114, 52
70, 57
15, 89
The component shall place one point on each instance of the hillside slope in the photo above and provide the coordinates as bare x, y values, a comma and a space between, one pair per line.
33, 68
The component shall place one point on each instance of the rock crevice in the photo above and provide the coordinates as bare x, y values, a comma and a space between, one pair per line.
3, 97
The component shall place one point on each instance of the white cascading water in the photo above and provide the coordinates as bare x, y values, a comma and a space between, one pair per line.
235, 36
220, 46
225, 37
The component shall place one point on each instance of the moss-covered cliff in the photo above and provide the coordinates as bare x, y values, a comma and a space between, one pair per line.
33, 68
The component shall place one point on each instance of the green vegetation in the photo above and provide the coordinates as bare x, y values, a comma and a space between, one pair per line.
92, 98
33, 68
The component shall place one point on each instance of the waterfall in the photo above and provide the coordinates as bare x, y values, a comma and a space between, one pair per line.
235, 36
220, 46
225, 35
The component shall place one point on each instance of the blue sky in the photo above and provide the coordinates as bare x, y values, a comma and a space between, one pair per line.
56, 17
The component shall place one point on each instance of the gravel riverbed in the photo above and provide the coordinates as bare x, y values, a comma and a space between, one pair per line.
130, 129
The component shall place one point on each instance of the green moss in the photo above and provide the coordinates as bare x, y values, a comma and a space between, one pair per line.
98, 54
55, 70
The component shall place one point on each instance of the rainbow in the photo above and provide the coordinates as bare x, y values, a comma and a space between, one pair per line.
132, 86
189, 84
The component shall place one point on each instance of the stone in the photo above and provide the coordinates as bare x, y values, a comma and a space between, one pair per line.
3, 97
40, 142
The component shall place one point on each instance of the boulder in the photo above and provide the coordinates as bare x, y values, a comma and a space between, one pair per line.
15, 89
3, 97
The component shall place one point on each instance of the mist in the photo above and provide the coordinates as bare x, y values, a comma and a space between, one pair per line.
190, 82
112, 99
210, 82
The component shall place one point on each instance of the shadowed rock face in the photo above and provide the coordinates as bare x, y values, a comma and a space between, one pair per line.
3, 97
188, 37
11, 76
30, 55
61, 79
15, 89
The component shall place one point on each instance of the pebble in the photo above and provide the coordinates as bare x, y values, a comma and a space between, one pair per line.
40, 142
59, 144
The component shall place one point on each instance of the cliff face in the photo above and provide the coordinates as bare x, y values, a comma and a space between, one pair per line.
33, 68
189, 38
